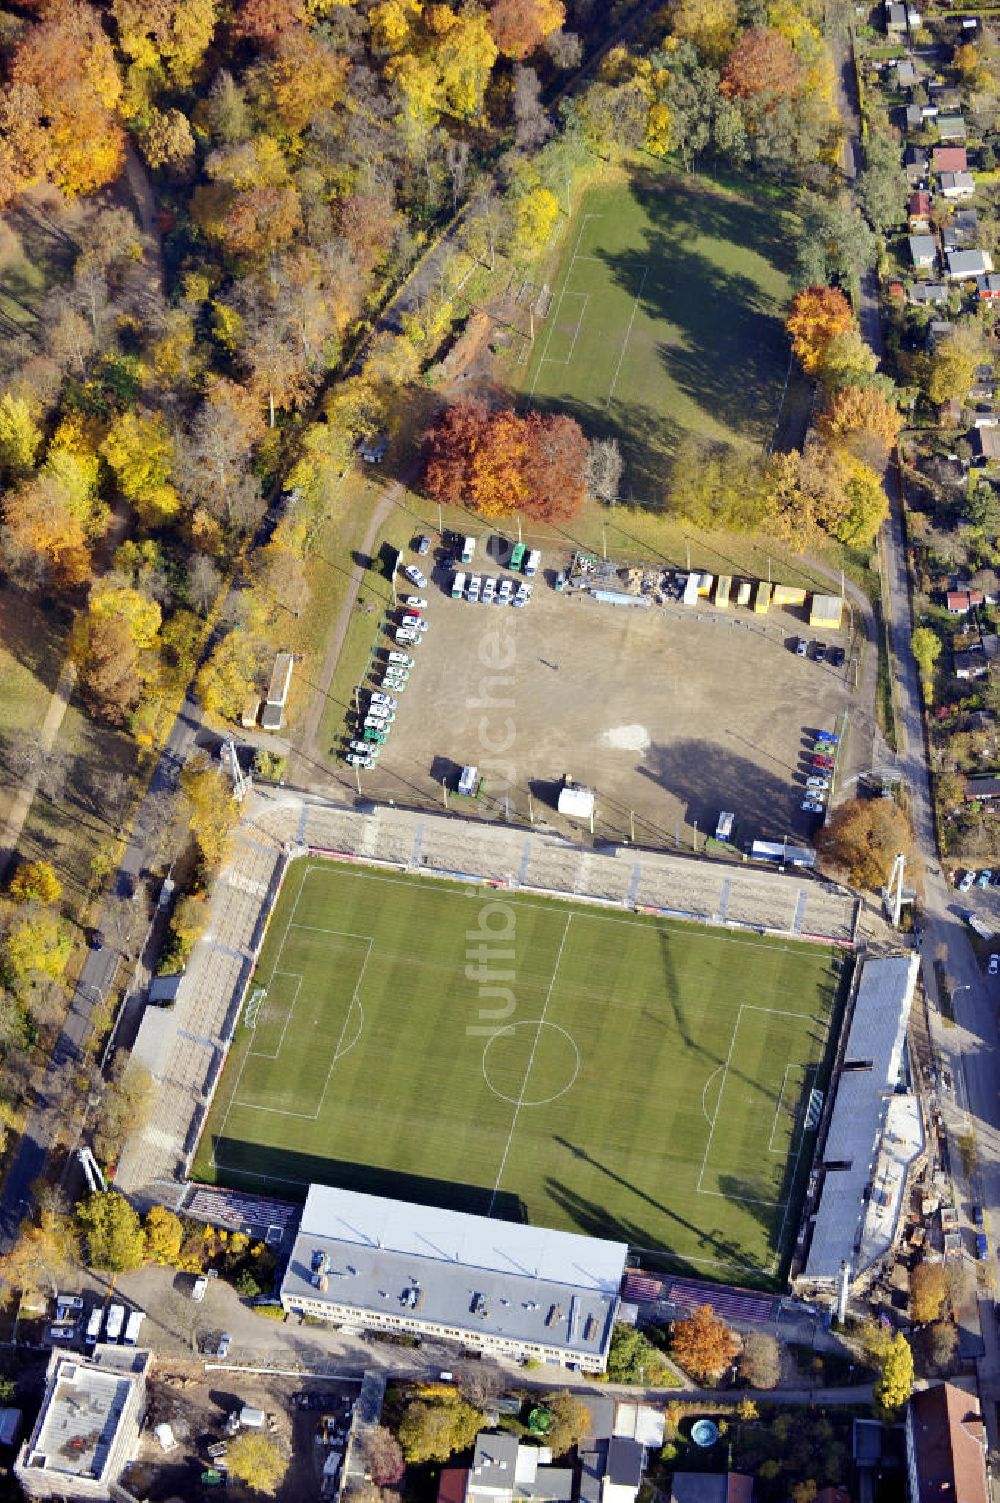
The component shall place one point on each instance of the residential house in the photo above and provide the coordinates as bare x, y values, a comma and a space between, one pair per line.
957, 184
906, 73
961, 602
964, 225
947, 98
914, 117
986, 443
711, 1487
928, 294
937, 330
970, 665
949, 413
895, 21
923, 251
982, 790
915, 165
929, 111
988, 287
914, 20
946, 1445
919, 213
503, 1469
968, 264
951, 127
950, 159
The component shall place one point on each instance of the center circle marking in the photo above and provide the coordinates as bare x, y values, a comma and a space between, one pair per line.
539, 1026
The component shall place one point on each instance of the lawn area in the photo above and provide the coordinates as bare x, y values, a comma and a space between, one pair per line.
666, 319
647, 1080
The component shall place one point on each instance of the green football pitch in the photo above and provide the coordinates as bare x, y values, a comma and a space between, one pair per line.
666, 319
509, 1055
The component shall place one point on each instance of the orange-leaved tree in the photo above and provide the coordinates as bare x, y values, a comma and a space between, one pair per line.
520, 26
703, 1344
817, 315
762, 63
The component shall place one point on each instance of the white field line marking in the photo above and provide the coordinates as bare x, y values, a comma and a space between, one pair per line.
531, 1061
262, 1053
628, 335
554, 312
704, 1093
338, 1053
718, 1109
246, 1056
777, 1109
550, 359
740, 1199
791, 1182
690, 930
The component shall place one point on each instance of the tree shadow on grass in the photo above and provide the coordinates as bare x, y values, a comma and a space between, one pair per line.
729, 355
288, 1173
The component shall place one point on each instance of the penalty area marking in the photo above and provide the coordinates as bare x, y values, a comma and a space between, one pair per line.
807, 1070
741, 1199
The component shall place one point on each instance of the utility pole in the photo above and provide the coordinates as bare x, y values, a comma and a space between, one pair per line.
631, 823
444, 791
604, 541
531, 809
357, 777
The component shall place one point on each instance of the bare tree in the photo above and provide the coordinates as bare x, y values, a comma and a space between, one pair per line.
564, 48
532, 125
456, 161
203, 582
604, 470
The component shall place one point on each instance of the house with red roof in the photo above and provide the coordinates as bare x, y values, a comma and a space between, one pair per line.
950, 159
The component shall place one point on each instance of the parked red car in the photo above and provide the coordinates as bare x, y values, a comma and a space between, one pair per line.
825, 762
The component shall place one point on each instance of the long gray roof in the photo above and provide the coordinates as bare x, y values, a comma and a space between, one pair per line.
872, 1060
522, 1283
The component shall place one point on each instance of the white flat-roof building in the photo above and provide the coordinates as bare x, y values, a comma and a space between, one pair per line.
87, 1430
370, 1263
864, 1165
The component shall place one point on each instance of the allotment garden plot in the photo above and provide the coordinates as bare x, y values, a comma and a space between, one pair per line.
623, 1076
666, 319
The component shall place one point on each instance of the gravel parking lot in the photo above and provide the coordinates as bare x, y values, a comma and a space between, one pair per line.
671, 714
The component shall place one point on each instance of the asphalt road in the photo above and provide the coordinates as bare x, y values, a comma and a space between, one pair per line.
969, 1049
96, 978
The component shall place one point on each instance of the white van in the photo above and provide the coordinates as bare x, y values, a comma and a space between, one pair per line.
468, 550
531, 562
116, 1319
475, 585
132, 1326
94, 1326
458, 585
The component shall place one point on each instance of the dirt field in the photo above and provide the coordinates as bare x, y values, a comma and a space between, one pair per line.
671, 713
195, 1405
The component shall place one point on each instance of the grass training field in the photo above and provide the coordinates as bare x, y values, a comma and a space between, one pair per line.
514, 1056
666, 319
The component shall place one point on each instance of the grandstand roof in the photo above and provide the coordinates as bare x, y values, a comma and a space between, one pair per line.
870, 1073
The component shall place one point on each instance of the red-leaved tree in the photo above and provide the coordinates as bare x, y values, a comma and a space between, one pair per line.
501, 462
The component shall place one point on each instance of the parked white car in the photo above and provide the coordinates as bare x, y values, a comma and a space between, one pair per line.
415, 577
817, 782
402, 659
415, 602
384, 699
